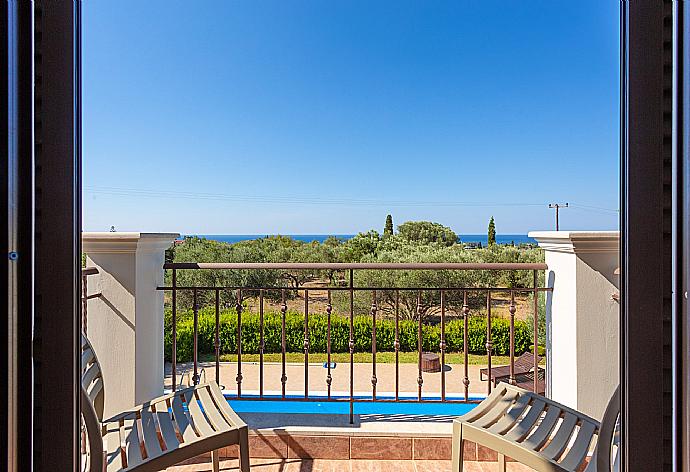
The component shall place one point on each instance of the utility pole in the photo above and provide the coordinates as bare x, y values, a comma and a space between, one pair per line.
556, 206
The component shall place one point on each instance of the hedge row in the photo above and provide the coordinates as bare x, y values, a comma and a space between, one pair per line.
340, 330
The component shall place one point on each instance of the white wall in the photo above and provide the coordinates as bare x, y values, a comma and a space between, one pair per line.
582, 317
125, 324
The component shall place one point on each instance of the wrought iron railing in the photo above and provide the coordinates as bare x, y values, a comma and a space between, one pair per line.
349, 288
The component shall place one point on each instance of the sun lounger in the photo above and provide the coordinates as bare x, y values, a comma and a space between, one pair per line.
538, 432
159, 433
524, 377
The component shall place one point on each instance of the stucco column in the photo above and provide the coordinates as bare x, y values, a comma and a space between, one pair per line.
125, 323
582, 320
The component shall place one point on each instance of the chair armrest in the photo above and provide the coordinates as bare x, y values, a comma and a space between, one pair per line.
159, 399
93, 433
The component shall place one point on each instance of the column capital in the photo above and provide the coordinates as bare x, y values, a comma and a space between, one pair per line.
577, 242
125, 242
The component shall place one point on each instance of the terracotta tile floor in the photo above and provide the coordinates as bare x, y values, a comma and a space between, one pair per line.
324, 465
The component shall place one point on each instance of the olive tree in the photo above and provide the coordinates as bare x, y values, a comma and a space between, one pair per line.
426, 232
194, 249
413, 304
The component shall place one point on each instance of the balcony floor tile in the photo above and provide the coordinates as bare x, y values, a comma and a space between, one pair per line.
325, 465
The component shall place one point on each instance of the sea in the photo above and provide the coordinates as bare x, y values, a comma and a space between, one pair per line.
465, 238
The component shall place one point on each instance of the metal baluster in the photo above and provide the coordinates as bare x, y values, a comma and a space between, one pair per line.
195, 379
306, 343
489, 345
373, 345
283, 342
442, 346
329, 378
536, 331
512, 311
217, 338
396, 345
174, 330
465, 342
262, 343
239, 343
351, 347
420, 379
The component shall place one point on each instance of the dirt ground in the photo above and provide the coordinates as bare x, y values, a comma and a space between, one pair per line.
318, 301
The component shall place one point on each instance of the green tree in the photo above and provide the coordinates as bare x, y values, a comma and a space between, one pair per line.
194, 249
395, 250
362, 245
426, 232
492, 232
388, 229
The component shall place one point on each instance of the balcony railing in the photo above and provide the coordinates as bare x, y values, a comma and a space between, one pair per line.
347, 290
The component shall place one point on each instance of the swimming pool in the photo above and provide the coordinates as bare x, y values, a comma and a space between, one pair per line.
341, 406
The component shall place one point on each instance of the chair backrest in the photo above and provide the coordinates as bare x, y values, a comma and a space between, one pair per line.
609, 436
92, 377
92, 401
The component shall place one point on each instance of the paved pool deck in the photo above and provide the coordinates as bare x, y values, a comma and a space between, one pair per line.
316, 373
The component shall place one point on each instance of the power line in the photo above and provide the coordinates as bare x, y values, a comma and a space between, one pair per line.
305, 200
117, 191
590, 207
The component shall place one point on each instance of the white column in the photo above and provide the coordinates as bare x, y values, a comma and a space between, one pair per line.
125, 324
582, 317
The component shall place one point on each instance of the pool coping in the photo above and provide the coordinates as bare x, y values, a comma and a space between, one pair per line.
338, 425
322, 395
315, 395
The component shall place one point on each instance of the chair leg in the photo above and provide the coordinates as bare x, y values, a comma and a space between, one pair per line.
244, 451
215, 459
501, 463
457, 448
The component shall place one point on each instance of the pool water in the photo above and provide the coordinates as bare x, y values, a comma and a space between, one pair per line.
343, 407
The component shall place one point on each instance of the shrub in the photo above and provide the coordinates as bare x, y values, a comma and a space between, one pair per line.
340, 333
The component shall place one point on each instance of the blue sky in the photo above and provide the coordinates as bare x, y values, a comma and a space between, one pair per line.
323, 116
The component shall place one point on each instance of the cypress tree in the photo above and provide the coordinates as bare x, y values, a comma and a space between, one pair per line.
492, 232
388, 229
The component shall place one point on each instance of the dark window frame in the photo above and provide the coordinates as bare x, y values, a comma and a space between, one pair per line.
57, 204
681, 163
42, 191
649, 243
